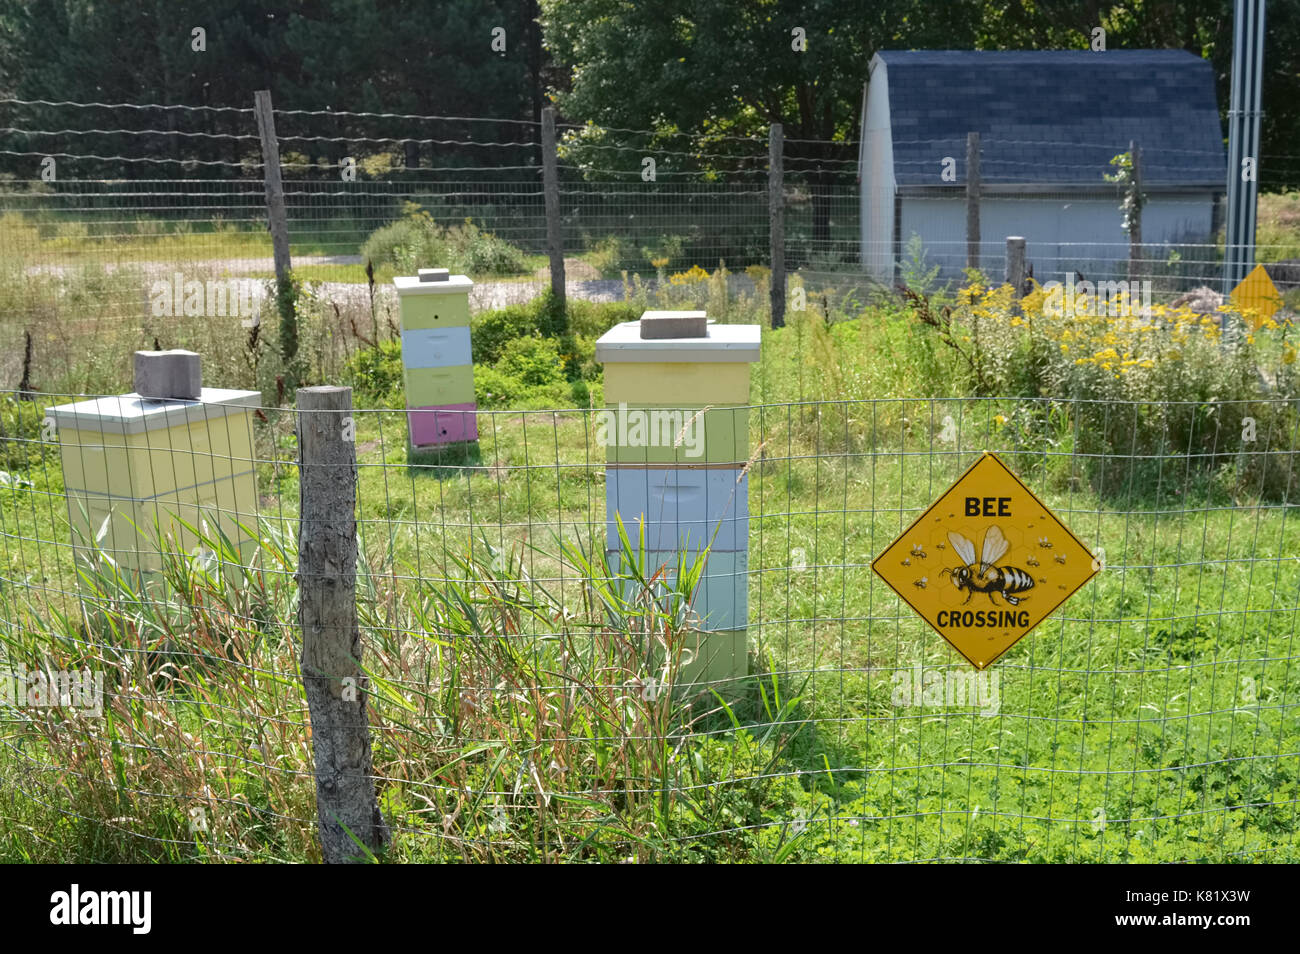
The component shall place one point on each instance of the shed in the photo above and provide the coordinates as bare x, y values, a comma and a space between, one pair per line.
1049, 123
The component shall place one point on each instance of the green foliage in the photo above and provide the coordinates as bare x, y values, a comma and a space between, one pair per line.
915, 272
533, 361
376, 375
416, 241
288, 292
21, 447
1124, 176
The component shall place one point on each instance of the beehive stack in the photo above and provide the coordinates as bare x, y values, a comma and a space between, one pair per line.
437, 362
677, 469
135, 468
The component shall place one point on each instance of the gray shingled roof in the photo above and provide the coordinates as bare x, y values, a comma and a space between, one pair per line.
1058, 116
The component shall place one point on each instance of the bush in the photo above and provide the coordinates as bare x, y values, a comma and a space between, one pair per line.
417, 241
1155, 382
376, 374
21, 447
493, 330
534, 362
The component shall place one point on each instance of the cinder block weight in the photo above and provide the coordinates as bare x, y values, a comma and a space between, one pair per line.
168, 375
659, 325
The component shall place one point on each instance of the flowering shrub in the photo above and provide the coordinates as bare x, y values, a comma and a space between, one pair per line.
1153, 381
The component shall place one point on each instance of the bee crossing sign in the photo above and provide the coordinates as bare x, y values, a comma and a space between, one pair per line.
986, 563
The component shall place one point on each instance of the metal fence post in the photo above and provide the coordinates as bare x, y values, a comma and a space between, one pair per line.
972, 200
551, 185
776, 221
336, 686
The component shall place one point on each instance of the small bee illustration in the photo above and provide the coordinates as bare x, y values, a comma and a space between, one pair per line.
1060, 558
1044, 543
1032, 560
1041, 580
983, 576
907, 561
920, 584
941, 546
918, 551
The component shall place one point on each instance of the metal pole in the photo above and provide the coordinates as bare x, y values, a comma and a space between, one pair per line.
973, 200
1243, 140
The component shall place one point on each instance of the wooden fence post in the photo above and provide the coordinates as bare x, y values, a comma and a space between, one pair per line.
551, 185
277, 217
973, 200
1016, 265
776, 220
336, 686
1135, 217
278, 220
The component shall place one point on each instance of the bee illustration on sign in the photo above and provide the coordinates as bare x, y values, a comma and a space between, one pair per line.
983, 576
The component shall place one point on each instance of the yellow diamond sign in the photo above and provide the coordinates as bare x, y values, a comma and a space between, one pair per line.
1258, 294
986, 563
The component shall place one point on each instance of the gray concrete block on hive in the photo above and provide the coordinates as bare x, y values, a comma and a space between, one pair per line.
658, 325
168, 375
434, 274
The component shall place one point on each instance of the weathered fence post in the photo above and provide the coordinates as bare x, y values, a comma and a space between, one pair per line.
551, 186
776, 220
1016, 265
973, 200
1135, 215
276, 215
278, 221
335, 684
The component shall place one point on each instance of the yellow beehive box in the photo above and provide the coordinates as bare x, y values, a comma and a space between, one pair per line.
133, 468
694, 371
663, 434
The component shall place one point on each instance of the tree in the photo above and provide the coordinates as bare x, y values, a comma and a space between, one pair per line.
733, 67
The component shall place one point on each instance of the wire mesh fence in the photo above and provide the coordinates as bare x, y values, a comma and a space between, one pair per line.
104, 204
526, 693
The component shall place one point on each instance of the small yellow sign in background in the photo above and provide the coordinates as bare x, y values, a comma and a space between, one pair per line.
986, 563
1257, 293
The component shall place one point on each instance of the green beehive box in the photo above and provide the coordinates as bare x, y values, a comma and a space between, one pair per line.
659, 434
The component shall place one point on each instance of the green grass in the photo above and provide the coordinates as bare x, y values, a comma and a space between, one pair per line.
1162, 695
1152, 718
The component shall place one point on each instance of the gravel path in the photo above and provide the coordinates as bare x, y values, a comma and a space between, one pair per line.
487, 295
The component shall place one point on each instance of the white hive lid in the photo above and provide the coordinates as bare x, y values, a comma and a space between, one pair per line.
411, 285
132, 414
732, 343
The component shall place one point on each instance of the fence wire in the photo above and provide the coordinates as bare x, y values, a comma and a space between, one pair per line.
102, 202
515, 715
